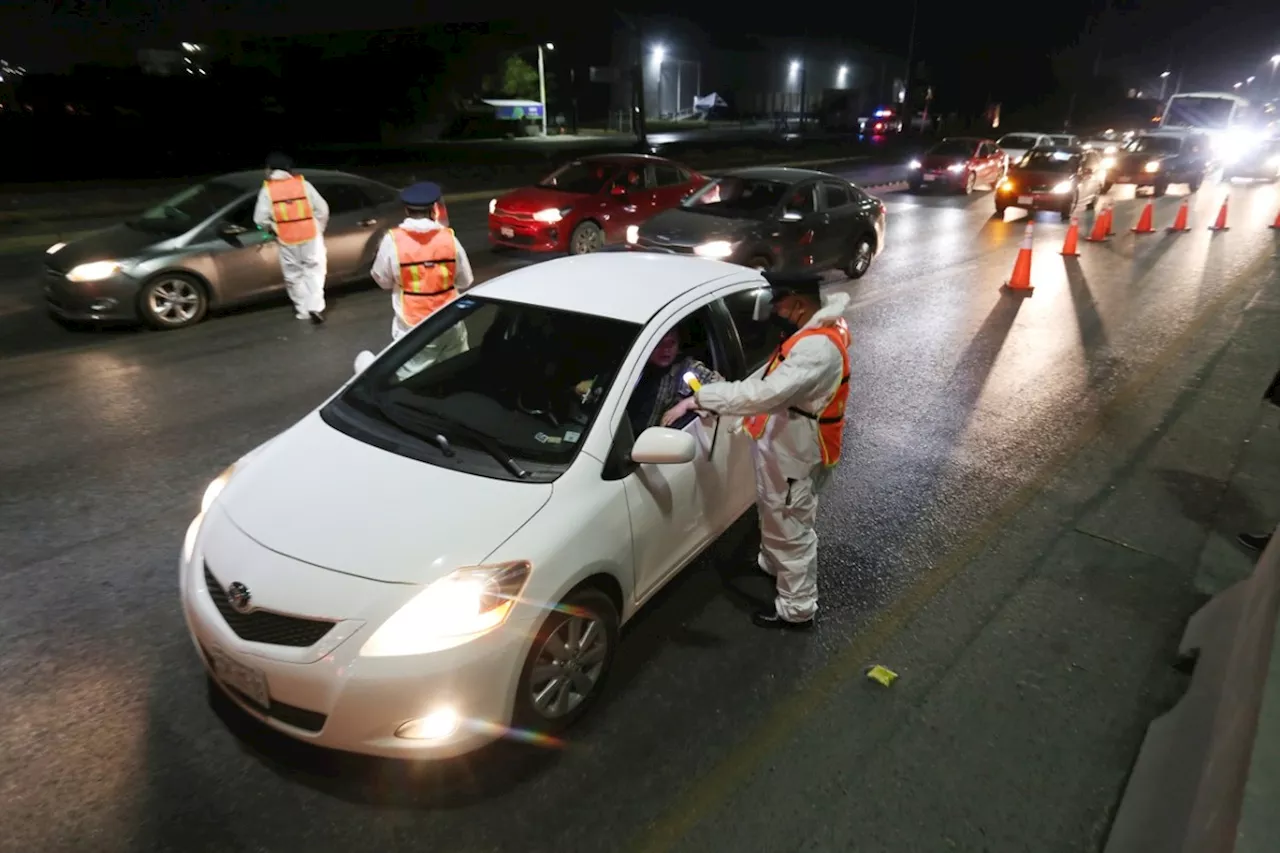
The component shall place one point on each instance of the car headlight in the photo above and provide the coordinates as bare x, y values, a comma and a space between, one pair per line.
1153, 166
94, 271
1063, 188
633, 234
215, 488
1006, 186
1108, 163
493, 205
451, 611
1110, 149
55, 248
957, 168
551, 214
715, 249
189, 541
914, 164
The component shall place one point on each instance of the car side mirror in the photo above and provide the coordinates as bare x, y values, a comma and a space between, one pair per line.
363, 360
663, 446
618, 189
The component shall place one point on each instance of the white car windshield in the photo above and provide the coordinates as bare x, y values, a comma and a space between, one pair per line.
1014, 141
495, 388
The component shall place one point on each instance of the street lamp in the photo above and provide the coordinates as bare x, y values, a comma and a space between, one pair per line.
1275, 60
842, 76
542, 83
1164, 81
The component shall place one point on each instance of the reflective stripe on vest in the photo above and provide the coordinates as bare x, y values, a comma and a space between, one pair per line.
831, 419
291, 210
428, 266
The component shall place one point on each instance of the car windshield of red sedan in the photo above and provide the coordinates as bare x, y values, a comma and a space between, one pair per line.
188, 208
581, 177
737, 197
496, 388
953, 148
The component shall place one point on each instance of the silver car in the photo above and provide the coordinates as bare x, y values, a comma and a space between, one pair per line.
200, 250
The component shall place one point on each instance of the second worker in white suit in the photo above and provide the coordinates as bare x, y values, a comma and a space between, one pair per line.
289, 207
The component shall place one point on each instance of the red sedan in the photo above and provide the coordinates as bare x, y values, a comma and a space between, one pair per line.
959, 163
588, 203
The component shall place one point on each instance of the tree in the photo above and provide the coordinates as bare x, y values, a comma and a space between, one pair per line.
520, 79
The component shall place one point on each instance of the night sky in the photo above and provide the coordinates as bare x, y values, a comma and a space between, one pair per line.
1001, 48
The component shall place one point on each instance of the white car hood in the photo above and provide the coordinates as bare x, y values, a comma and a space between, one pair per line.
322, 497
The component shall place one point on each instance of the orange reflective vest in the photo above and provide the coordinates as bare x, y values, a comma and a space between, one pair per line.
428, 266
291, 210
831, 418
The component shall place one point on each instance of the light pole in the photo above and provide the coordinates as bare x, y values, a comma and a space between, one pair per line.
911, 50
1275, 60
542, 83
1164, 81
659, 54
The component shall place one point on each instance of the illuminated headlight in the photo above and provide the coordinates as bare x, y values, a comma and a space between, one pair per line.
493, 205
55, 248
957, 168
1108, 163
95, 271
549, 215
715, 249
914, 164
1063, 188
451, 611
437, 725
1006, 186
633, 234
1110, 149
215, 488
1153, 166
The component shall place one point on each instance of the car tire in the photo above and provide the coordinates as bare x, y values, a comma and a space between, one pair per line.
1195, 184
173, 300
970, 182
546, 700
1000, 209
860, 260
586, 238
1106, 187
1070, 209
915, 186
1159, 190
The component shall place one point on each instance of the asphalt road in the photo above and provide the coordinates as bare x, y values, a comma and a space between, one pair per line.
1019, 709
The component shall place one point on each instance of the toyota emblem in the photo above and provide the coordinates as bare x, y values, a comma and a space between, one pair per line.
238, 595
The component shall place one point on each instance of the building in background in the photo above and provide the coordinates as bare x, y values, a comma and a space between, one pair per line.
758, 77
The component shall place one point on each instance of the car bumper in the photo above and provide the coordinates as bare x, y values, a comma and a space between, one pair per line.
947, 180
111, 300
527, 234
1150, 179
1032, 200
346, 702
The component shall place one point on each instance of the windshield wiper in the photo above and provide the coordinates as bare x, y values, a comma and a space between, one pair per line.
471, 434
434, 437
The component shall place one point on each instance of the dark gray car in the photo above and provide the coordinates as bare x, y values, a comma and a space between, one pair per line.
201, 250
773, 218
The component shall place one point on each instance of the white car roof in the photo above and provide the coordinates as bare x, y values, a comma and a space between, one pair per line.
630, 286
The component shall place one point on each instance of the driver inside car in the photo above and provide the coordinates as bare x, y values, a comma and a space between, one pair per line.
662, 385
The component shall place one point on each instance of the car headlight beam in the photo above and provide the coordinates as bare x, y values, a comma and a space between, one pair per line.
451, 611
94, 271
1063, 188
1153, 166
914, 164
718, 249
957, 168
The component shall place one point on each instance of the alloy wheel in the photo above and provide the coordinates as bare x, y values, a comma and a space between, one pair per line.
568, 665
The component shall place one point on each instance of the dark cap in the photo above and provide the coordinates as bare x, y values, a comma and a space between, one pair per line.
422, 194
801, 284
276, 160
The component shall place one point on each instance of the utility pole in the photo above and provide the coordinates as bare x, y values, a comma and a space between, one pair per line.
637, 80
911, 52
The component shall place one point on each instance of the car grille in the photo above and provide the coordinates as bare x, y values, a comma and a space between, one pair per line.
653, 245
508, 214
263, 626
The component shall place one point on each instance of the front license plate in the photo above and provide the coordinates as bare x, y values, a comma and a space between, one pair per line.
507, 232
930, 177
1024, 199
246, 679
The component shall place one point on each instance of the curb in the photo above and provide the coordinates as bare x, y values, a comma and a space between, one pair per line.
29, 242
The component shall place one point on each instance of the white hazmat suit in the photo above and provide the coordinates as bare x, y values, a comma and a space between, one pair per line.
386, 272
305, 265
788, 457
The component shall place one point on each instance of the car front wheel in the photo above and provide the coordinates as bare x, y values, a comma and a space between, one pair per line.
172, 301
588, 237
567, 663
860, 260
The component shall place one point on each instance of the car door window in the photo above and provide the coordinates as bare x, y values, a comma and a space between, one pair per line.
342, 198
758, 338
801, 202
379, 194
835, 195
667, 176
683, 348
242, 214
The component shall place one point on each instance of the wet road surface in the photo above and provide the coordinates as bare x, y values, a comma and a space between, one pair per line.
712, 734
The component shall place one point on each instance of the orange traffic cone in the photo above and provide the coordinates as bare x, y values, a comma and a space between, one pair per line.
1099, 233
1180, 221
1220, 224
1276, 224
1020, 281
1144, 221
1070, 247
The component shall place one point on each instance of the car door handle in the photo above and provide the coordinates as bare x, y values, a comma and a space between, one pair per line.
365, 223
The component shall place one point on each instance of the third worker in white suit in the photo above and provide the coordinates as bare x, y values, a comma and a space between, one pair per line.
290, 208
425, 267
795, 413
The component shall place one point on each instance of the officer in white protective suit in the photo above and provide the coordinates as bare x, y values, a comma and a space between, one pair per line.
425, 267
795, 413
289, 207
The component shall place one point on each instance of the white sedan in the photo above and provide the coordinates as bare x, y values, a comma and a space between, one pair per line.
443, 552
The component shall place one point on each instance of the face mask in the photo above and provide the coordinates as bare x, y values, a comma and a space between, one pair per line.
784, 325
